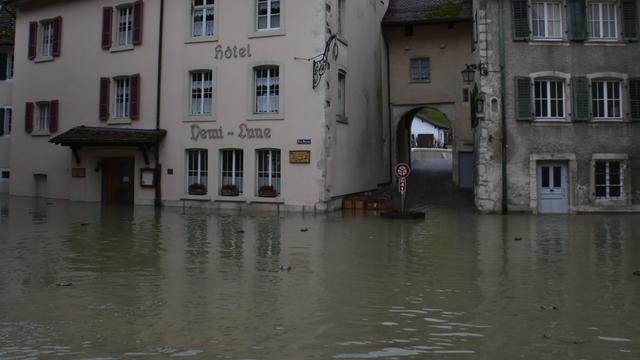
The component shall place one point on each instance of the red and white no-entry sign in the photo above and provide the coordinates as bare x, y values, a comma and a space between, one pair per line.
403, 170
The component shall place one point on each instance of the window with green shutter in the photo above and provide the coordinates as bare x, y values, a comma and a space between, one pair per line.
634, 99
524, 99
581, 105
520, 16
630, 20
577, 20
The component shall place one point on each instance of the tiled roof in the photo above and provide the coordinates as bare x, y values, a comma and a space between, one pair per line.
7, 26
89, 136
427, 11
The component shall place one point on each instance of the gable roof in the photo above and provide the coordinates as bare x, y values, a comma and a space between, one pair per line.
7, 25
415, 12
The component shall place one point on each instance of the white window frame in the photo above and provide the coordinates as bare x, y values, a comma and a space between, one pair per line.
606, 98
607, 184
45, 48
269, 15
7, 121
207, 7
547, 83
546, 20
268, 176
121, 97
43, 119
2, 172
201, 94
271, 100
422, 64
229, 173
200, 173
9, 69
124, 37
600, 21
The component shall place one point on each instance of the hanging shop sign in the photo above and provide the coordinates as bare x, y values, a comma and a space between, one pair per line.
300, 157
244, 132
232, 52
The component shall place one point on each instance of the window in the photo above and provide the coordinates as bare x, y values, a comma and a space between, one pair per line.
43, 116
46, 45
420, 69
606, 99
201, 92
602, 20
5, 121
549, 99
232, 169
124, 35
609, 179
122, 98
342, 17
197, 172
6, 66
5, 175
202, 18
269, 182
546, 18
268, 15
267, 80
342, 94
465, 95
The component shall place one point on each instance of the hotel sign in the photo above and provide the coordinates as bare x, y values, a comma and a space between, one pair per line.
232, 52
244, 132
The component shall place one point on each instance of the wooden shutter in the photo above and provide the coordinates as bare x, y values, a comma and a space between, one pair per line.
33, 40
134, 110
524, 99
138, 12
630, 20
28, 118
577, 20
520, 20
634, 99
53, 116
581, 104
105, 90
1, 121
3, 66
57, 36
107, 24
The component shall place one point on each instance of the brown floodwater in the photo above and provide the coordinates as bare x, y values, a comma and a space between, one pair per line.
191, 283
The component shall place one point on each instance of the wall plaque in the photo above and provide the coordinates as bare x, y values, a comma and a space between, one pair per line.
79, 172
147, 177
300, 157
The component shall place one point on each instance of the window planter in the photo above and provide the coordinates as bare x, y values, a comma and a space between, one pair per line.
197, 189
267, 191
229, 190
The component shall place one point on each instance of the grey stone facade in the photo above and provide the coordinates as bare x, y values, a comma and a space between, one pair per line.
576, 145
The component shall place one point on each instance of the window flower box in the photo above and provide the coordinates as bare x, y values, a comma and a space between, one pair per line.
267, 191
197, 189
229, 190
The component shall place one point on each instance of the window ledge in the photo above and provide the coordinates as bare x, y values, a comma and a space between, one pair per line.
115, 49
187, 197
267, 33
552, 122
199, 118
552, 42
38, 133
267, 200
608, 121
234, 199
41, 59
119, 121
419, 81
342, 119
269, 116
201, 39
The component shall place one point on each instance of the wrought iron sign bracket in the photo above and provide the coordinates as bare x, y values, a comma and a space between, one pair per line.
321, 61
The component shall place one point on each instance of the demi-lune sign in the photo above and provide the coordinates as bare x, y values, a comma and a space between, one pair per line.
244, 132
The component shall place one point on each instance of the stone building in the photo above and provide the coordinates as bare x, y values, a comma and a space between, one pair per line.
224, 104
7, 29
559, 105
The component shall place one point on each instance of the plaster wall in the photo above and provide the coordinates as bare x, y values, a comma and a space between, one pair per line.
73, 80
584, 140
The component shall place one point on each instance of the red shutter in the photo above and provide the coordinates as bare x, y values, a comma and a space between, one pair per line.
107, 23
134, 111
33, 39
28, 118
138, 11
105, 89
53, 116
57, 36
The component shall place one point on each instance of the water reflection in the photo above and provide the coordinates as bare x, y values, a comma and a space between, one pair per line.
193, 283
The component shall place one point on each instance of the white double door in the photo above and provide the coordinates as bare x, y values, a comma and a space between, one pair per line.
553, 195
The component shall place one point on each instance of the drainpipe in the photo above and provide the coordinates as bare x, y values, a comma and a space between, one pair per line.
389, 112
503, 116
158, 174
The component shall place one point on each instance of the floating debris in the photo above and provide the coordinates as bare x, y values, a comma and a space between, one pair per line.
636, 273
65, 284
283, 268
548, 307
304, 230
517, 238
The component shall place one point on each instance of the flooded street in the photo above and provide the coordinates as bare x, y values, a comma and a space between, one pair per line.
83, 281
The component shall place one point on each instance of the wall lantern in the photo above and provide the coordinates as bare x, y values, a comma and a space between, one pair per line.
470, 69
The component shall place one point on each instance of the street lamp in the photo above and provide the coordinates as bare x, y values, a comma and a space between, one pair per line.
470, 69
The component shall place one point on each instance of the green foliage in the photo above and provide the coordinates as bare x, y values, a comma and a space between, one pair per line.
435, 116
446, 11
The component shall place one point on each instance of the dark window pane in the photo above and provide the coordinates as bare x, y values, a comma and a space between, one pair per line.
601, 191
557, 177
601, 179
545, 176
601, 167
614, 191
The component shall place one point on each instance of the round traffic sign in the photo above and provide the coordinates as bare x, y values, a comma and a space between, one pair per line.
403, 170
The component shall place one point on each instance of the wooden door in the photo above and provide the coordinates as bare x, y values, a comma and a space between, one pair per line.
118, 180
